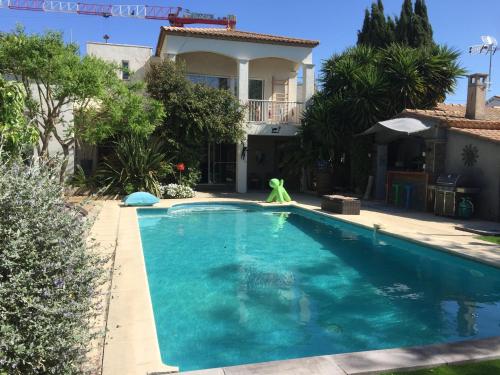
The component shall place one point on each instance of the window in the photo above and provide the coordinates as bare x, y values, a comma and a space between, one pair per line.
256, 89
125, 70
224, 83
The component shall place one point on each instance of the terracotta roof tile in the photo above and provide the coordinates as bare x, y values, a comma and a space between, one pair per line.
227, 34
453, 116
455, 111
489, 134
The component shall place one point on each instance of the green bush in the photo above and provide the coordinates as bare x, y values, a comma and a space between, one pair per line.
49, 276
136, 164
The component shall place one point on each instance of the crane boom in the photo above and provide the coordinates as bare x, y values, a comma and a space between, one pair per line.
148, 12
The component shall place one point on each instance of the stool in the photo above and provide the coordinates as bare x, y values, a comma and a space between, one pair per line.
395, 193
408, 191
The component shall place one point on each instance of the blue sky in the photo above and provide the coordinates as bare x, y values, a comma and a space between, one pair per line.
457, 23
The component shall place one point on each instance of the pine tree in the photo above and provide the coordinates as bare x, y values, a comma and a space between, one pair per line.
391, 30
379, 27
377, 30
422, 29
364, 33
404, 26
412, 28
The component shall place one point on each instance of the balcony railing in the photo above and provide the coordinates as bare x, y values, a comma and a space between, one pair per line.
274, 112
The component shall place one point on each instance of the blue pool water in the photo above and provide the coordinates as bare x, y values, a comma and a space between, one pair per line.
233, 284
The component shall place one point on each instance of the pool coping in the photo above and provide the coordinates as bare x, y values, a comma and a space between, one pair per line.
132, 345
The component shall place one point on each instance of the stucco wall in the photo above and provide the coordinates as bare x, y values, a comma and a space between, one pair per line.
485, 173
208, 64
137, 56
174, 44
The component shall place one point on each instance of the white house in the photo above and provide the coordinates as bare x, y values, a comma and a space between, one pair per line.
261, 70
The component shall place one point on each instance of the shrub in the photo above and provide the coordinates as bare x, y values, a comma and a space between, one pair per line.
190, 177
177, 191
136, 164
48, 275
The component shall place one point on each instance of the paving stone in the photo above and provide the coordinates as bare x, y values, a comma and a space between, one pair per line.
470, 351
375, 361
321, 365
210, 371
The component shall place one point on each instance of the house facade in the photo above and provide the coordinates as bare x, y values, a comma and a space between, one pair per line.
272, 75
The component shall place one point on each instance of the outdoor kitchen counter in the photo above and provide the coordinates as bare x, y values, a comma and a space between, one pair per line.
407, 189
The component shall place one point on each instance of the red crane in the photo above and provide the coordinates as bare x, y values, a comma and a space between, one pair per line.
176, 16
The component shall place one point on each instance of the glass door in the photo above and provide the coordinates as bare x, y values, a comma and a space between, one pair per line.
220, 167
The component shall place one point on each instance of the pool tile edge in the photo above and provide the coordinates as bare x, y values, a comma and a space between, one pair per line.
371, 362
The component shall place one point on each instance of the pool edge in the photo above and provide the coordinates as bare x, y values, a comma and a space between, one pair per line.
373, 361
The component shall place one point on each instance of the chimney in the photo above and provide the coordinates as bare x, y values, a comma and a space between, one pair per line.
476, 96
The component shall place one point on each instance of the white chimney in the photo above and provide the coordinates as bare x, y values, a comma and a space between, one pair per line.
476, 96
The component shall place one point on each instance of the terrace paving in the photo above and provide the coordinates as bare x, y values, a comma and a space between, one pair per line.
131, 346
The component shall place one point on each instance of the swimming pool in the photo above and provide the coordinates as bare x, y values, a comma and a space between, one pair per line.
239, 283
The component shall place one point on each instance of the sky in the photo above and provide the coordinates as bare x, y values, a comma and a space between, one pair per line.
456, 23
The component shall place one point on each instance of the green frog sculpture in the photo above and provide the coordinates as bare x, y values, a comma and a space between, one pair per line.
278, 194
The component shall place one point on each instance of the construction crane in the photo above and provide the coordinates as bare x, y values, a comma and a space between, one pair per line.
176, 16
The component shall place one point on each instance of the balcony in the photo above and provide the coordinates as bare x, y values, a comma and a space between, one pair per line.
274, 112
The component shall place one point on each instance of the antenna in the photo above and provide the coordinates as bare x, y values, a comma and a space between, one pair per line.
489, 47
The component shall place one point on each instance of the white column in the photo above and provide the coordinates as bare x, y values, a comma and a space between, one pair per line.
241, 154
243, 81
307, 81
241, 165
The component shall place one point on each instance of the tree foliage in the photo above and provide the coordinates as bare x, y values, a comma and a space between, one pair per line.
49, 278
16, 131
125, 111
55, 78
194, 114
412, 28
136, 164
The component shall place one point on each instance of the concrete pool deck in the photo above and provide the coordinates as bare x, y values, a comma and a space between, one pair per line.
131, 345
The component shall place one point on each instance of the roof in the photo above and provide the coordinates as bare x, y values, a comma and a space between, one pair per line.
489, 134
119, 45
453, 117
228, 34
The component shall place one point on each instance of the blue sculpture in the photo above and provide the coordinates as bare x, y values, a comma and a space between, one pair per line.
140, 198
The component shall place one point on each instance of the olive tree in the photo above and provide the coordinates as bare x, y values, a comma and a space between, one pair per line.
56, 79
15, 130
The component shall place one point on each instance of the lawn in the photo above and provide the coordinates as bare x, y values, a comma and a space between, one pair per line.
481, 368
493, 239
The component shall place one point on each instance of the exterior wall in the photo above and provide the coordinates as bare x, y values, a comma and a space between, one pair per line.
137, 56
268, 69
485, 173
175, 45
207, 63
